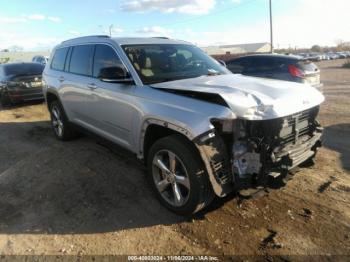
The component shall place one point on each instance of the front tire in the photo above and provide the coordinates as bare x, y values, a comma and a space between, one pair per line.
178, 176
60, 124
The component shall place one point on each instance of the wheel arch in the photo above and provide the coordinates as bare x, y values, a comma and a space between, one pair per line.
50, 97
204, 145
154, 129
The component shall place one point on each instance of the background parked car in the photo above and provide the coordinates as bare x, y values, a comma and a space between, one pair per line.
282, 67
40, 59
20, 82
333, 56
342, 55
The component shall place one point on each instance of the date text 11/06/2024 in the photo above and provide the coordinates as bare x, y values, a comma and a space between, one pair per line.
173, 258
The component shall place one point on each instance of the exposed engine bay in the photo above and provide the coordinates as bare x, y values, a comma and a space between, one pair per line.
257, 150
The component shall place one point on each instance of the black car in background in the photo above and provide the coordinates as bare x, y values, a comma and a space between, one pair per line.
282, 67
20, 82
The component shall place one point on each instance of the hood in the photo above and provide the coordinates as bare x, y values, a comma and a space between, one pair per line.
250, 97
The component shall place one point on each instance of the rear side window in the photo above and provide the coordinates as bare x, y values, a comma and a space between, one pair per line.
264, 64
59, 59
236, 66
81, 60
105, 59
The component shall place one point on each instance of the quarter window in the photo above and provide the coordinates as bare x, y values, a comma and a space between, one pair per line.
59, 59
81, 60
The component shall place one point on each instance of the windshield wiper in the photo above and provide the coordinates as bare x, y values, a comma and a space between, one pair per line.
169, 79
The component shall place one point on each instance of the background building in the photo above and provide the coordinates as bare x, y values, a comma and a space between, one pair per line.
238, 49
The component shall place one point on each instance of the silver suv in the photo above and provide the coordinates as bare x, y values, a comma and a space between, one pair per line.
201, 130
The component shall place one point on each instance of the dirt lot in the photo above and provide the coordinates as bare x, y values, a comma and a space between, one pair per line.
82, 198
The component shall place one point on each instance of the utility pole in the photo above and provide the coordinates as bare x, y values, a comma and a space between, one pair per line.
271, 28
110, 30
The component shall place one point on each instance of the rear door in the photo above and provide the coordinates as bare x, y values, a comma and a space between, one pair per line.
75, 84
56, 75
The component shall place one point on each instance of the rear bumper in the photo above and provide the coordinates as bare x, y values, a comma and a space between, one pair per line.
318, 86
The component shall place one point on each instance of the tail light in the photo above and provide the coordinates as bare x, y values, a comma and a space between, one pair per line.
295, 71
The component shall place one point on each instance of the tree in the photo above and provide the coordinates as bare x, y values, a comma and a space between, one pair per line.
316, 48
15, 48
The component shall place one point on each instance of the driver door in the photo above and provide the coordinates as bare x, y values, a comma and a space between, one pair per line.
110, 106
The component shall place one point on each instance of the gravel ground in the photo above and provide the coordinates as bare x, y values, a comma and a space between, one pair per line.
82, 197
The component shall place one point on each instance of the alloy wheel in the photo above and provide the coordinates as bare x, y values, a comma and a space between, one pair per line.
57, 121
171, 178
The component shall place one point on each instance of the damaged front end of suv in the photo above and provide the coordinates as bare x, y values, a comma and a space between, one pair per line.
261, 149
274, 130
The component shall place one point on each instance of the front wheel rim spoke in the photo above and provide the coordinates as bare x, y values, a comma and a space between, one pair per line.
177, 194
162, 185
157, 162
172, 162
55, 113
60, 131
183, 181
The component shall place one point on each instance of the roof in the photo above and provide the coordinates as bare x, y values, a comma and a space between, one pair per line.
123, 40
276, 55
146, 40
289, 57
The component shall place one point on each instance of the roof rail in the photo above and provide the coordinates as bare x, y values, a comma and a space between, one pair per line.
83, 37
161, 37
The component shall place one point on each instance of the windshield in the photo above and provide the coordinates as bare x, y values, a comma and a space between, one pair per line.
157, 63
23, 69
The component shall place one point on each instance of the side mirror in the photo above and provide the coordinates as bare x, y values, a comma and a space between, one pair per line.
222, 62
115, 75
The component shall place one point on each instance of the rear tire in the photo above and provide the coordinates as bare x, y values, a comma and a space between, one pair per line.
60, 124
188, 173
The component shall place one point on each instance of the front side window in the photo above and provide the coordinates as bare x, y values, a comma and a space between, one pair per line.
59, 59
157, 63
107, 63
81, 60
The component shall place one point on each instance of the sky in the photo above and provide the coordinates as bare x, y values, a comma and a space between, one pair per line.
41, 24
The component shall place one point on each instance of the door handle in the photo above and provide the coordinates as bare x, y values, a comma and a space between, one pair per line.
61, 79
92, 86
